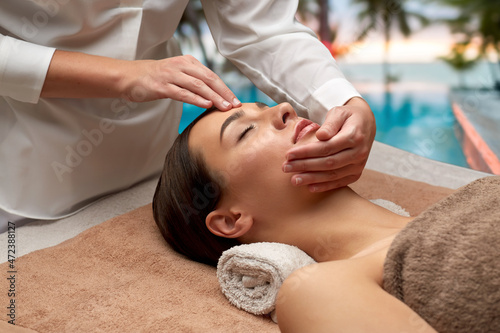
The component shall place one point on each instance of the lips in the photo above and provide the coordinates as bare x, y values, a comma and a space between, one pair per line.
303, 127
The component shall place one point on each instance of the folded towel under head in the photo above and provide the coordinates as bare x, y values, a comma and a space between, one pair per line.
251, 275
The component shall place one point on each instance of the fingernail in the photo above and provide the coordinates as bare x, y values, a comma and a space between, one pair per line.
236, 101
298, 180
226, 104
290, 157
287, 168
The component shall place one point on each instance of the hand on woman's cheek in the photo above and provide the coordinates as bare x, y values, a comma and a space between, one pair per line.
338, 159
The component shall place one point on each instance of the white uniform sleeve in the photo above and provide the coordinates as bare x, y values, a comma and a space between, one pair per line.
23, 68
281, 56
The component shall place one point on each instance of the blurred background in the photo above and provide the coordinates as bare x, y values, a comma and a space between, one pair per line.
430, 70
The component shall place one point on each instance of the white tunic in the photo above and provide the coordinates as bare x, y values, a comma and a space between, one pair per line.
59, 155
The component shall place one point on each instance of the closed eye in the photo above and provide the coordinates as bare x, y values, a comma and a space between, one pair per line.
251, 127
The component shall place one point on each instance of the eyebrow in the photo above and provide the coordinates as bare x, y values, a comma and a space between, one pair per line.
238, 114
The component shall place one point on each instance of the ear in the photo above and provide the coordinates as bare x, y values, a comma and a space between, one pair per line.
227, 224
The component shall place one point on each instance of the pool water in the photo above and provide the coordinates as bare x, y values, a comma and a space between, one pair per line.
418, 119
415, 118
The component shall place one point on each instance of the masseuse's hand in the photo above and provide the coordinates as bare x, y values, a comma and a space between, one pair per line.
183, 78
339, 158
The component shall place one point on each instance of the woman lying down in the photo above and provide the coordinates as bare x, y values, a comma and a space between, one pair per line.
377, 271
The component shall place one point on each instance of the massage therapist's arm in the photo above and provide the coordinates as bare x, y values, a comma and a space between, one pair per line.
340, 297
183, 78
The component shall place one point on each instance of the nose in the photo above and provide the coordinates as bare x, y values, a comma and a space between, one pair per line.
282, 114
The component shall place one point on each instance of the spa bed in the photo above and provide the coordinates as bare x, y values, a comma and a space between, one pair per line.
107, 269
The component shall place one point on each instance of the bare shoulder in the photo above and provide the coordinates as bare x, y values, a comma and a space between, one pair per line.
368, 267
342, 296
328, 282
338, 273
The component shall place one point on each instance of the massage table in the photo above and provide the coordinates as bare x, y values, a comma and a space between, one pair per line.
107, 268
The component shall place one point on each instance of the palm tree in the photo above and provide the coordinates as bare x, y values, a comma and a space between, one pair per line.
325, 32
479, 18
459, 61
386, 15
319, 10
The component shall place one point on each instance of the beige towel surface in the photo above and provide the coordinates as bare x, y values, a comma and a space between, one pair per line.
120, 276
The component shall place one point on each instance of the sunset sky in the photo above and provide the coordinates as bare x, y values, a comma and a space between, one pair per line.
419, 48
424, 46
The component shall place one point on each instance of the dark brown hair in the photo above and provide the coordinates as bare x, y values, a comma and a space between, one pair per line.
186, 193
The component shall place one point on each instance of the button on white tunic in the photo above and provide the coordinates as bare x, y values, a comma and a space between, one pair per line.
59, 155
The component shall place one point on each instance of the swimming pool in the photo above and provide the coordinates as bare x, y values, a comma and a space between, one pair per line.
414, 117
417, 118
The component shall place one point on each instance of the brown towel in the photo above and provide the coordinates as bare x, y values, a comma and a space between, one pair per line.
445, 264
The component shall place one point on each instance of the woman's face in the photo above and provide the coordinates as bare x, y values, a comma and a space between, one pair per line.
247, 146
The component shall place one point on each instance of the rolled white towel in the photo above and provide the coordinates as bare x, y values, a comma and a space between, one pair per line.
395, 208
251, 275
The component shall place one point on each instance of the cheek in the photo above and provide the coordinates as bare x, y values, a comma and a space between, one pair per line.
247, 166
264, 154
261, 164
257, 163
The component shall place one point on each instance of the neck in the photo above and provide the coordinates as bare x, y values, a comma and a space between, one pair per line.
339, 225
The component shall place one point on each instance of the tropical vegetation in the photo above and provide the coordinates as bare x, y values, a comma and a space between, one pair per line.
477, 22
458, 60
386, 15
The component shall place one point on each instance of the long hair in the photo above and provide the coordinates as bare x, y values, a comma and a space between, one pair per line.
186, 193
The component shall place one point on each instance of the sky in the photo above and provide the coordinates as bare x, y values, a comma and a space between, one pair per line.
425, 45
